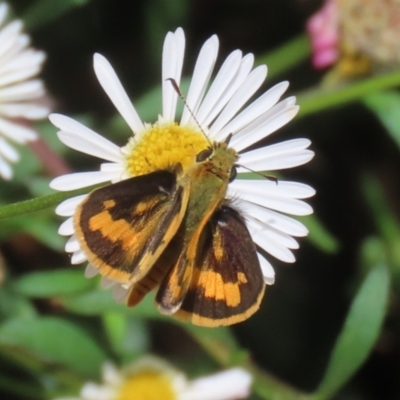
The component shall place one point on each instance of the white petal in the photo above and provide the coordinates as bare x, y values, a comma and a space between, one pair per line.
18, 76
26, 110
112, 86
268, 188
111, 374
227, 385
267, 270
5, 170
91, 391
72, 245
263, 126
8, 35
262, 239
273, 234
286, 205
278, 149
112, 167
224, 77
83, 139
246, 90
91, 271
253, 111
7, 151
276, 220
289, 160
86, 146
19, 58
244, 70
173, 52
201, 76
67, 227
16, 132
80, 180
78, 257
22, 91
67, 207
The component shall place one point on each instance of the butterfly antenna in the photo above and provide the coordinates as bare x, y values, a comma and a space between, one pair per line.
269, 177
180, 94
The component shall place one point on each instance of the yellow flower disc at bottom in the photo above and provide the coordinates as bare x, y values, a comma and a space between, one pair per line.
162, 146
146, 386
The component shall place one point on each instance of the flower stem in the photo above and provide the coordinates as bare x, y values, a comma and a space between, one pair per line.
319, 99
286, 56
37, 204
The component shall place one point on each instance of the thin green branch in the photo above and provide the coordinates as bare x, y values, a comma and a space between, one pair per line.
42, 203
37, 204
287, 56
320, 99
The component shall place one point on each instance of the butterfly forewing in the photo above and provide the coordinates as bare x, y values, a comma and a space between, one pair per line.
227, 284
123, 228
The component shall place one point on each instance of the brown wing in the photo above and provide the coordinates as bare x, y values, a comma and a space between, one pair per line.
123, 228
227, 284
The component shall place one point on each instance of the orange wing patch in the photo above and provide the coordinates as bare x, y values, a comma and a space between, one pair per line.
124, 228
227, 284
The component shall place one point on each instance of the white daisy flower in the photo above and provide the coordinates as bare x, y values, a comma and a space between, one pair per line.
221, 108
152, 379
19, 91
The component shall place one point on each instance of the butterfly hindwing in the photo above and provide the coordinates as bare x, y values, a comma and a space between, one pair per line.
123, 228
227, 283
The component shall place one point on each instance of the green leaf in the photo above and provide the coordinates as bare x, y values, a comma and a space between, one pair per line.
319, 235
359, 333
43, 227
386, 105
385, 219
55, 341
101, 301
12, 304
127, 335
53, 283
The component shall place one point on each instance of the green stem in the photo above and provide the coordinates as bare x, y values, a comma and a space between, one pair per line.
286, 56
40, 203
320, 99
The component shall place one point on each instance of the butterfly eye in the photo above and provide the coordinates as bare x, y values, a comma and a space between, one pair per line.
232, 174
204, 154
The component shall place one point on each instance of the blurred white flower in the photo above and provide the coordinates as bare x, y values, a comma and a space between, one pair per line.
19, 91
151, 378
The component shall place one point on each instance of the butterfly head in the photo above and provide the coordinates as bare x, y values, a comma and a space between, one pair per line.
219, 159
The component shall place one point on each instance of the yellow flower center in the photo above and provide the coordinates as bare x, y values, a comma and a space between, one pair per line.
162, 146
147, 385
